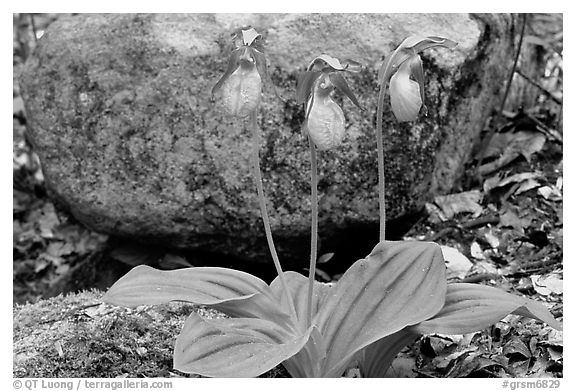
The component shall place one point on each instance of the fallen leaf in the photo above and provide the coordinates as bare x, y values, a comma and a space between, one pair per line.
491, 183
325, 258
474, 362
518, 178
559, 183
402, 367
550, 193
438, 343
509, 146
555, 338
445, 361
48, 221
492, 240
526, 185
524, 284
516, 347
97, 311
466, 202
498, 144
435, 214
476, 251
554, 354
509, 218
485, 267
457, 265
353, 373
548, 284
58, 249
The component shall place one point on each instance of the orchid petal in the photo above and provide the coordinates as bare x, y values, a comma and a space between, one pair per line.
341, 85
249, 36
262, 66
352, 66
333, 62
417, 72
405, 95
233, 64
325, 123
430, 42
391, 64
409, 47
305, 84
241, 91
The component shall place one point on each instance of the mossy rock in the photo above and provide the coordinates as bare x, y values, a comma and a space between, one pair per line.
77, 335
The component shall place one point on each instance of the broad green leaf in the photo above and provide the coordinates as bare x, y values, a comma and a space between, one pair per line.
233, 292
241, 347
341, 85
473, 307
298, 286
375, 359
233, 64
309, 360
397, 285
306, 363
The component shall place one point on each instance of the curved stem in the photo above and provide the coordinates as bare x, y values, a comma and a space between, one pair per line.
314, 229
264, 211
381, 177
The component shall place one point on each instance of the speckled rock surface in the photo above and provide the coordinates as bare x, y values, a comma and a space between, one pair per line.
120, 114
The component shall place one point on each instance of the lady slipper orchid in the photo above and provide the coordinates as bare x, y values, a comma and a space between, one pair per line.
242, 90
324, 121
241, 84
383, 302
403, 69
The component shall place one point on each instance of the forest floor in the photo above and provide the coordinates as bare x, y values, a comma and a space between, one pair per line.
502, 228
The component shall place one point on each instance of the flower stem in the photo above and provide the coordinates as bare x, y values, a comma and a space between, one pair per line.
381, 178
314, 229
264, 211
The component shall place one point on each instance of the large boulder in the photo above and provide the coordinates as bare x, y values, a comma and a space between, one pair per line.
119, 112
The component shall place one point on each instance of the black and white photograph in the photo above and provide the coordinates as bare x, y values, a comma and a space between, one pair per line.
287, 195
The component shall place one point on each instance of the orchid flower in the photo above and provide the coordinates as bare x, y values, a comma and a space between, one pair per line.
241, 84
324, 121
403, 69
